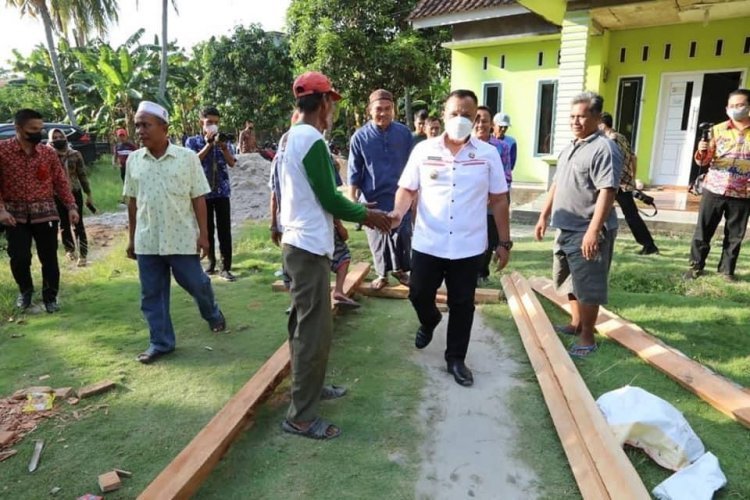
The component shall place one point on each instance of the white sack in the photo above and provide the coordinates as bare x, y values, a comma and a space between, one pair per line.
645, 421
699, 481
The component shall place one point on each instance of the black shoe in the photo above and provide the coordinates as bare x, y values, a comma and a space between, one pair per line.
649, 250
227, 276
210, 271
52, 306
23, 301
461, 373
424, 334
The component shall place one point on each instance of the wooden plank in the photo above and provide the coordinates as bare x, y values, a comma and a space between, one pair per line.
573, 441
184, 475
93, 389
616, 470
721, 393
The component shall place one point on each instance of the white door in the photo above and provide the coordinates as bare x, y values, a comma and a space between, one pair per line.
679, 102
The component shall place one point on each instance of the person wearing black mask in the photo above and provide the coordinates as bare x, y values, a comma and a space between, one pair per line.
30, 177
75, 168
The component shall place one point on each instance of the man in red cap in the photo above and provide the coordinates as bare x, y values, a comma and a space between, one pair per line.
122, 150
378, 153
309, 203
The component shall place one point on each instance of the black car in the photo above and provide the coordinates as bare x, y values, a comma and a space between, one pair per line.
78, 138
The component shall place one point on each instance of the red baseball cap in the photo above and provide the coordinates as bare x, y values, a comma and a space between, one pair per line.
314, 82
121, 132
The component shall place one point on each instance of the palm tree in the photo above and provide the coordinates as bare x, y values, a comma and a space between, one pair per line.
60, 15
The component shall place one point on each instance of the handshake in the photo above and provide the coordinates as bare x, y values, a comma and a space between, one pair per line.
380, 220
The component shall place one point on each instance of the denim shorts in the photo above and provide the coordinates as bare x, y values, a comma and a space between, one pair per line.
572, 274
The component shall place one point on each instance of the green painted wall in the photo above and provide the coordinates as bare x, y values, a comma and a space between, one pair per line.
520, 87
521, 76
733, 32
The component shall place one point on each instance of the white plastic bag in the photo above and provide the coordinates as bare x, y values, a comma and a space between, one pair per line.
699, 481
645, 421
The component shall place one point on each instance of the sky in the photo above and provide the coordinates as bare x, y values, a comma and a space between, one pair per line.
193, 23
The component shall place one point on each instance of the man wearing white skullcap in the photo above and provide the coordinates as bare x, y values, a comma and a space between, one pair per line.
166, 187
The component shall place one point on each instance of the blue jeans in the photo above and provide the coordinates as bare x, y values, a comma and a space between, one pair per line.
154, 271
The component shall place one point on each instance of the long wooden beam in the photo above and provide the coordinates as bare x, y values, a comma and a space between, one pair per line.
481, 296
573, 441
723, 394
184, 475
614, 470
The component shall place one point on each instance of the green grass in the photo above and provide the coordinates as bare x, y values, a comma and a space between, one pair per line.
156, 410
106, 185
706, 319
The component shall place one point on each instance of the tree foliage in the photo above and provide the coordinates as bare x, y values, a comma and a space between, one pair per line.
365, 45
248, 76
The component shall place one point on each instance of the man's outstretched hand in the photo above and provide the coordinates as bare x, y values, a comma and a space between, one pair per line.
377, 219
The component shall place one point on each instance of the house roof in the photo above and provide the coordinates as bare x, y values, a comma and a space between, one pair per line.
430, 8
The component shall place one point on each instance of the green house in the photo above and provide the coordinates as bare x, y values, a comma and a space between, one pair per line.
664, 67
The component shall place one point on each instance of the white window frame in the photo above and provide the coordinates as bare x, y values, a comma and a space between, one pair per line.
539, 84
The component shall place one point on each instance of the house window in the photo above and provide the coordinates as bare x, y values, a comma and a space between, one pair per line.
629, 108
693, 48
540, 59
644, 54
502, 61
559, 54
623, 51
493, 97
747, 45
545, 114
667, 51
484, 63
719, 46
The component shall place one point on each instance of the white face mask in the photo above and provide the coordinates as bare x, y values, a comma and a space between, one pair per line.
458, 128
211, 129
738, 114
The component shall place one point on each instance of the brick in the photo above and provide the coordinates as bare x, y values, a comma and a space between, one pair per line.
98, 388
63, 392
6, 437
22, 393
109, 481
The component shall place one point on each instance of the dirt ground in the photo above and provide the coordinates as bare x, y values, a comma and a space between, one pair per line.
471, 433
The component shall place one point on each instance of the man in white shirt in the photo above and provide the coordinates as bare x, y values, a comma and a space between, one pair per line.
455, 177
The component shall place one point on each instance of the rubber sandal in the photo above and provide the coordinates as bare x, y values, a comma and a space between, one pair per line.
379, 283
149, 357
582, 351
565, 330
345, 303
317, 430
332, 392
220, 325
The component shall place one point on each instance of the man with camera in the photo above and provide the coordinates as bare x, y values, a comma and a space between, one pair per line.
627, 189
726, 188
216, 153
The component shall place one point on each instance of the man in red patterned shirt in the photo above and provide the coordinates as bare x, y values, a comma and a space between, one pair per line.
31, 176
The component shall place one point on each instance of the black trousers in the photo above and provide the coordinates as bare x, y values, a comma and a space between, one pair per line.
492, 241
639, 229
67, 232
427, 274
712, 209
219, 220
44, 234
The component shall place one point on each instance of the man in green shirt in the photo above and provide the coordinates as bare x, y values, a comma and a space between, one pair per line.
309, 203
166, 187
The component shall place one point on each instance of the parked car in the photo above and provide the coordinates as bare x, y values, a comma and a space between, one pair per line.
78, 138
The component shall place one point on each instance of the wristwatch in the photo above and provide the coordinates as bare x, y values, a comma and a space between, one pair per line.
505, 244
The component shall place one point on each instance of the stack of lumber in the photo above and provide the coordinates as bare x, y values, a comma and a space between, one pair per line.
600, 466
724, 395
184, 475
